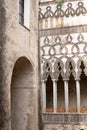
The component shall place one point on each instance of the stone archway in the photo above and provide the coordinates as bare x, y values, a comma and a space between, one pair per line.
22, 81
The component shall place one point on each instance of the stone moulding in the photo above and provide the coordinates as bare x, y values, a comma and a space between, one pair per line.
63, 31
63, 118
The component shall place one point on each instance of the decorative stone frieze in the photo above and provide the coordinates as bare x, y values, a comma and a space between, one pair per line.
68, 11
63, 50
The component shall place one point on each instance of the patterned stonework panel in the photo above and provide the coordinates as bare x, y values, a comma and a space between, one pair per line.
63, 54
70, 14
64, 66
61, 45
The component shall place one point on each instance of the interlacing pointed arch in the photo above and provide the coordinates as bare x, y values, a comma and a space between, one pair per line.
70, 68
58, 69
47, 69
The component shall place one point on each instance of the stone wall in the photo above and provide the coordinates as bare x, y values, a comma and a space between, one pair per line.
16, 41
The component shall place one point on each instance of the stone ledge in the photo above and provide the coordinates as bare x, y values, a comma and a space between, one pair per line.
64, 118
63, 30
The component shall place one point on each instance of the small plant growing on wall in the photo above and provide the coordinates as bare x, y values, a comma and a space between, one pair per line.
59, 2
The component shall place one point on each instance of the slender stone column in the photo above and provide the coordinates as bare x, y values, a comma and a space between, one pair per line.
78, 94
43, 96
54, 95
66, 96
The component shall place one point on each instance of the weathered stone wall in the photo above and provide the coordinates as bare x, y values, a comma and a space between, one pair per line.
16, 41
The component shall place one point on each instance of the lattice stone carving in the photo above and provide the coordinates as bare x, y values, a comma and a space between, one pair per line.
58, 69
64, 67
47, 69
85, 48
81, 9
63, 49
48, 13
69, 11
70, 69
59, 12
69, 38
80, 38
79, 68
80, 62
57, 40
64, 45
75, 49
46, 41
52, 51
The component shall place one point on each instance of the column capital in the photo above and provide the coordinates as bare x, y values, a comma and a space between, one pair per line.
43, 81
54, 80
66, 80
77, 79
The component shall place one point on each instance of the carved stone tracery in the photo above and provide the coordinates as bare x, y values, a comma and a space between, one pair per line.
68, 46
58, 65
70, 69
79, 68
59, 12
58, 69
81, 9
69, 11
48, 12
47, 69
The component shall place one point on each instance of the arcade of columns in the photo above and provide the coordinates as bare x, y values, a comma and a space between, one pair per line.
63, 48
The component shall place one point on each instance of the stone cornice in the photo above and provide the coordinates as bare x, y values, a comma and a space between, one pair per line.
64, 118
63, 30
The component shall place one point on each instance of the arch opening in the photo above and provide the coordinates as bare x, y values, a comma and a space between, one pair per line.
60, 95
83, 89
22, 81
72, 95
49, 95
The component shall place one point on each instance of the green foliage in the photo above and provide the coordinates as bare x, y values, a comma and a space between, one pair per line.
59, 2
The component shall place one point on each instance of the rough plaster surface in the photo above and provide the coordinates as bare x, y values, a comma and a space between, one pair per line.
15, 42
